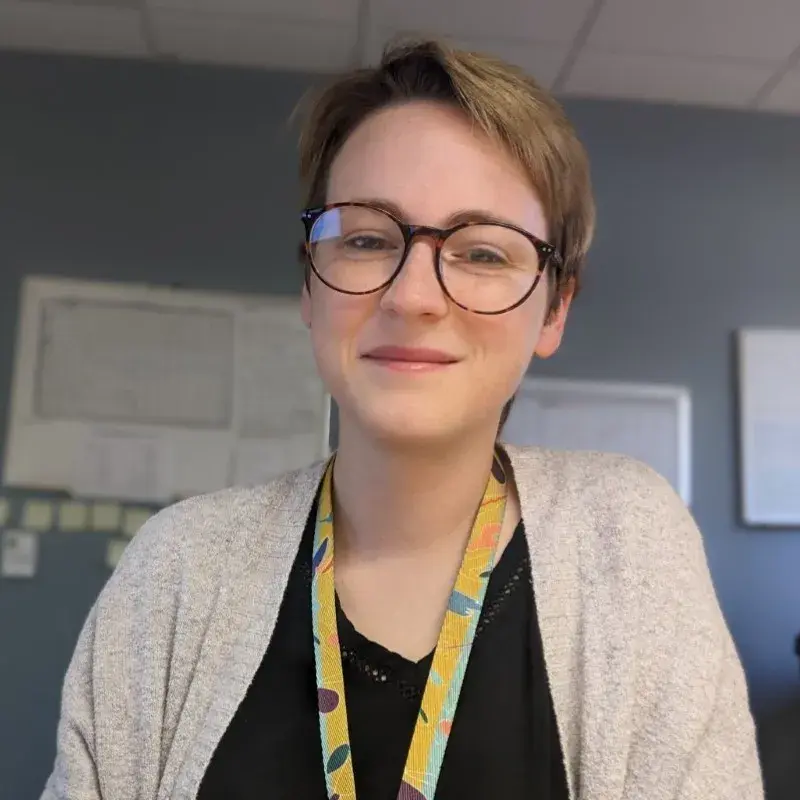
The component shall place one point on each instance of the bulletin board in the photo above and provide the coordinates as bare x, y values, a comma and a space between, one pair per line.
143, 393
649, 422
769, 426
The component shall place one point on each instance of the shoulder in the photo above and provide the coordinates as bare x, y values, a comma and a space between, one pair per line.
595, 483
200, 562
218, 517
202, 538
618, 550
616, 477
614, 513
200, 578
615, 531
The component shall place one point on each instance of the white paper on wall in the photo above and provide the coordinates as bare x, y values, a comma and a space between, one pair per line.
651, 423
148, 394
19, 554
277, 388
124, 467
257, 461
769, 404
136, 363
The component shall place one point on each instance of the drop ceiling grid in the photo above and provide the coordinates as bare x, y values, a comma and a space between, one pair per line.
715, 52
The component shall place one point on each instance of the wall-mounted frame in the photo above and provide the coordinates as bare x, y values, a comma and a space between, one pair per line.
150, 393
649, 422
769, 426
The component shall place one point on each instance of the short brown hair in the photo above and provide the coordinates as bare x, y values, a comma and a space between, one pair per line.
509, 106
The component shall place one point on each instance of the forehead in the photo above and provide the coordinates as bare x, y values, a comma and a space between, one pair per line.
430, 161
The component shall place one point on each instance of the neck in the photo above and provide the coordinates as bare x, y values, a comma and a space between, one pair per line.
391, 500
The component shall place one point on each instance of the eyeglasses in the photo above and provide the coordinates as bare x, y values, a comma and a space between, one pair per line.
484, 267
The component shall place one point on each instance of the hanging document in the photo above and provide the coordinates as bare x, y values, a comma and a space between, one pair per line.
648, 422
148, 393
769, 418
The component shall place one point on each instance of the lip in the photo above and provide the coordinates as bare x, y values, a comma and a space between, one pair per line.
410, 359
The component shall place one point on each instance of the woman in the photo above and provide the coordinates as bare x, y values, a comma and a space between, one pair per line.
449, 213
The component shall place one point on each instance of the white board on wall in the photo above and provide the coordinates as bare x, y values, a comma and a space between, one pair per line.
769, 426
649, 422
151, 393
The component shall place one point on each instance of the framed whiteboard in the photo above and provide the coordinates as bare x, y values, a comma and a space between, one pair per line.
649, 422
149, 393
769, 426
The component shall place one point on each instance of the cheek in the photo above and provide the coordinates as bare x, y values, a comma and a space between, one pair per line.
510, 341
339, 312
336, 320
508, 344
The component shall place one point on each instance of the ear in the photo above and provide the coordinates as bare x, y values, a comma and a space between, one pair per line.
553, 329
305, 305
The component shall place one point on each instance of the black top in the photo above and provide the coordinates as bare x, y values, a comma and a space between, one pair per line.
503, 744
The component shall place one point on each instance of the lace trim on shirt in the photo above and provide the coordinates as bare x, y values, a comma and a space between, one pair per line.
410, 691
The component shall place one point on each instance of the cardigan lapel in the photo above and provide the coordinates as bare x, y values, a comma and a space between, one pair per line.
263, 553
555, 563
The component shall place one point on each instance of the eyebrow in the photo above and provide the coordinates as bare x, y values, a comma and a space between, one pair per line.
456, 218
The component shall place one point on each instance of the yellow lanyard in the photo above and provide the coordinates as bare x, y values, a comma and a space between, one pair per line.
443, 687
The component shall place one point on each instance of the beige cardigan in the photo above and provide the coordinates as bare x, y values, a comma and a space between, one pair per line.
649, 694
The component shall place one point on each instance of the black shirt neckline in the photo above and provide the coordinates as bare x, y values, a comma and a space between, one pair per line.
504, 742
409, 671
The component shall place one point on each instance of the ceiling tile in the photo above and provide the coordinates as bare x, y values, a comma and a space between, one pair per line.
524, 20
786, 95
540, 61
71, 28
748, 29
135, 4
310, 10
254, 41
660, 78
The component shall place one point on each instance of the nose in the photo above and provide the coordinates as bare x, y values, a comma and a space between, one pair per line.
416, 289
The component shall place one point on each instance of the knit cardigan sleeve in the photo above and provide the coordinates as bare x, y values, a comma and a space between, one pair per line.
694, 737
131, 669
74, 776
116, 680
171, 644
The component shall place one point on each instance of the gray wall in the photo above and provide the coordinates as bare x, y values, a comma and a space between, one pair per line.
186, 176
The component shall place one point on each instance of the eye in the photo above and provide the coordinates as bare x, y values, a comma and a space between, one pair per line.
477, 255
484, 255
368, 242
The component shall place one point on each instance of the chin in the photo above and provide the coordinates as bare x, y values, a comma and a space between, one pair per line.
409, 431
417, 424
408, 424
417, 438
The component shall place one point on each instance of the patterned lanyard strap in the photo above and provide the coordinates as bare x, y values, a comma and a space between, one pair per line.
440, 698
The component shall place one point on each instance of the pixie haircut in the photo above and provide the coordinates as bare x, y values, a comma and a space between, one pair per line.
501, 100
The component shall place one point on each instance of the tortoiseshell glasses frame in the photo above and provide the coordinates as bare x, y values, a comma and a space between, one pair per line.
546, 253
